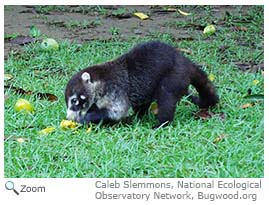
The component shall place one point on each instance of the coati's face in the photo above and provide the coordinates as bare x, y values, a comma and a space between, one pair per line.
80, 95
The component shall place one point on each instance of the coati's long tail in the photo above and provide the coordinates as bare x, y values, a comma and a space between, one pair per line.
207, 93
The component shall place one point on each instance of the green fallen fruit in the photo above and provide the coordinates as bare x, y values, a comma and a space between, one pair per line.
49, 44
210, 29
23, 105
7, 77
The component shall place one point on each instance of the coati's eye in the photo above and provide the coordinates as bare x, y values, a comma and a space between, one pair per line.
74, 101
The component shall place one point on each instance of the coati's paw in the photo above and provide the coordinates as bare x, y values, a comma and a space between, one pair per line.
204, 103
195, 99
207, 103
91, 117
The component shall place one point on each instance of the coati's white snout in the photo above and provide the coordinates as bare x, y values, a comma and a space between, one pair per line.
75, 115
72, 115
75, 110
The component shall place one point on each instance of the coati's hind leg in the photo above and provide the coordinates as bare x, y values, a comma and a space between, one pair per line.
207, 93
194, 99
170, 91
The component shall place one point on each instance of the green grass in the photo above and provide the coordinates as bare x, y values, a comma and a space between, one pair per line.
185, 148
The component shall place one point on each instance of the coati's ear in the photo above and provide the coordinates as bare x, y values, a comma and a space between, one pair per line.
86, 77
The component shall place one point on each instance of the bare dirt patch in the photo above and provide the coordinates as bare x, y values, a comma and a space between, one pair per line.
86, 23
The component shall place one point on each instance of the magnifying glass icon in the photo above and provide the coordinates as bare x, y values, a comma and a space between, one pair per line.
10, 186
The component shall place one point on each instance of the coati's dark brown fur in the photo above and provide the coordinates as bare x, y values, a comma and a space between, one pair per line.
150, 71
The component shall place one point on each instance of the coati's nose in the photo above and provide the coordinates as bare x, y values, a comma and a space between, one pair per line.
71, 115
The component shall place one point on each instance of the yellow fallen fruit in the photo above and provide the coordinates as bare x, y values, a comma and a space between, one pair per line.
68, 124
154, 108
247, 105
141, 15
211, 77
210, 29
23, 105
20, 140
89, 130
49, 44
255, 82
47, 131
219, 138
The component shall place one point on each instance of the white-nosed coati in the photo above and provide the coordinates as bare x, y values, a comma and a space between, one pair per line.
150, 71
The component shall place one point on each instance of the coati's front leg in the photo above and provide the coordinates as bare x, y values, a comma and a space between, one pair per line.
169, 93
95, 115
166, 108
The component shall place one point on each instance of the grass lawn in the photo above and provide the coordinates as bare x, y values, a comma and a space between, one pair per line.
229, 144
